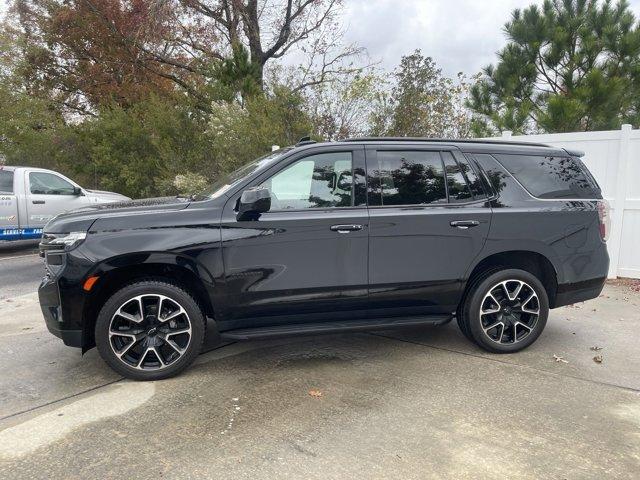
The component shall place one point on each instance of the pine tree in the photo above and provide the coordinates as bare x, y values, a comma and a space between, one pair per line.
570, 65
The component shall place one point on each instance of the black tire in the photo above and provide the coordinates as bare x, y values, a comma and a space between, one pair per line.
521, 332
168, 365
462, 324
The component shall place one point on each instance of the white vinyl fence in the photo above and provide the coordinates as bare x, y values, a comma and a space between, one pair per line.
613, 157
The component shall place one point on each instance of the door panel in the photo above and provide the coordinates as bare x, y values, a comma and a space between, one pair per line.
294, 261
417, 258
9, 218
48, 195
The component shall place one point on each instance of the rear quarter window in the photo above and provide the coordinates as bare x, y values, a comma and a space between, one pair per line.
6, 181
551, 177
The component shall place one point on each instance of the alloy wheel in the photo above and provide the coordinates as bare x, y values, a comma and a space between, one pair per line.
509, 311
150, 332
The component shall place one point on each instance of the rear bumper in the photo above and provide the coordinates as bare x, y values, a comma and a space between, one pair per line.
569, 293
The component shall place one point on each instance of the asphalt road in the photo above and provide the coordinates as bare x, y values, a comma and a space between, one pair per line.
412, 404
20, 269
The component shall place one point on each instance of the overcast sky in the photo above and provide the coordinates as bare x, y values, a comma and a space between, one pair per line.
460, 35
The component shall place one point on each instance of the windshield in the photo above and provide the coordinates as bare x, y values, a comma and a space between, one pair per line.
226, 182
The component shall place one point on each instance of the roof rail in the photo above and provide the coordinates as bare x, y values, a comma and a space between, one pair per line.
574, 153
441, 140
305, 141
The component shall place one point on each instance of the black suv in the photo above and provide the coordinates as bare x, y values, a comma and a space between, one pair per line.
360, 234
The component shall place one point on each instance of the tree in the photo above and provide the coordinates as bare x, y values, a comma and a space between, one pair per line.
422, 102
139, 151
89, 53
343, 109
572, 65
29, 125
272, 28
241, 133
85, 53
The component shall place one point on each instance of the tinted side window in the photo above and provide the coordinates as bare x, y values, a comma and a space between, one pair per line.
407, 178
475, 184
6, 181
49, 184
456, 183
318, 181
551, 177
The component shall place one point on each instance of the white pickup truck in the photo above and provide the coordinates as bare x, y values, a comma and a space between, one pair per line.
30, 197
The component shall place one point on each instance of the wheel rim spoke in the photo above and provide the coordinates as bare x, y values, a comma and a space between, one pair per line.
514, 295
493, 325
150, 332
520, 324
173, 315
501, 333
173, 345
128, 316
157, 353
128, 346
178, 332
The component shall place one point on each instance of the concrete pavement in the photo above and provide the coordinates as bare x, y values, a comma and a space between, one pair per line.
420, 403
20, 268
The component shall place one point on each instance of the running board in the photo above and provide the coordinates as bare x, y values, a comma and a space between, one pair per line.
332, 327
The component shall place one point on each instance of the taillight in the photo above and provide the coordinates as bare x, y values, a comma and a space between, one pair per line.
604, 216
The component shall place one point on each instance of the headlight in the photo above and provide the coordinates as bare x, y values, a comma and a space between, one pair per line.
58, 241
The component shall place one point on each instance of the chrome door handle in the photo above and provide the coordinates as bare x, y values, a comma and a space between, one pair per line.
345, 228
464, 224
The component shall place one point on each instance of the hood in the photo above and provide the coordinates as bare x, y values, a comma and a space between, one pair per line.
83, 218
102, 195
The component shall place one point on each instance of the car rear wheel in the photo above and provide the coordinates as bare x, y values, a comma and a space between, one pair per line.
150, 330
505, 311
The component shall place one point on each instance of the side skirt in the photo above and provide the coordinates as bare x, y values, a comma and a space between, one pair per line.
333, 327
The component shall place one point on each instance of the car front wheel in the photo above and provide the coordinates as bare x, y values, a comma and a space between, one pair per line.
150, 330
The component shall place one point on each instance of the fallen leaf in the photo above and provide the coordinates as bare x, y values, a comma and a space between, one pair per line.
559, 359
597, 359
595, 348
315, 393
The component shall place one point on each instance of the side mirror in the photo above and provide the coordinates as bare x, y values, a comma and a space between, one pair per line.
253, 202
77, 191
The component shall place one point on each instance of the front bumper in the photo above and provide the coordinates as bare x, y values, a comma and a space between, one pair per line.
62, 299
49, 297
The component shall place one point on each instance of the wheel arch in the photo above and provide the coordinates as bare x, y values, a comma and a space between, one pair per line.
530, 261
113, 274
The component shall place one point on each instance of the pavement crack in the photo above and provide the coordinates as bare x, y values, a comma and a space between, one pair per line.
58, 400
496, 360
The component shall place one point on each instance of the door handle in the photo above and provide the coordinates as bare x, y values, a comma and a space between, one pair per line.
464, 224
38, 202
345, 228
